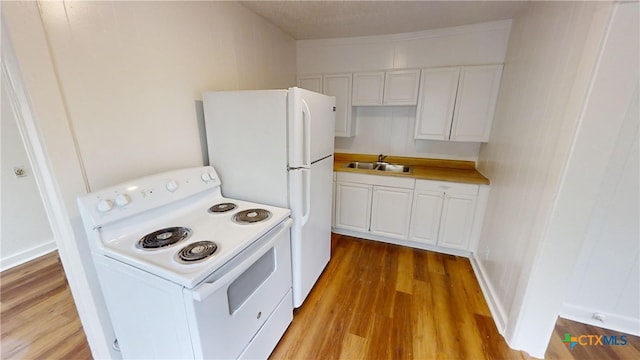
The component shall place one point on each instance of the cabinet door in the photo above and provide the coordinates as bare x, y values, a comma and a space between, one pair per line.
475, 103
368, 88
391, 211
436, 103
425, 216
353, 206
457, 219
339, 85
401, 87
312, 82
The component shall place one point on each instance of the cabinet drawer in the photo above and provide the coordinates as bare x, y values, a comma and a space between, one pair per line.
445, 186
392, 181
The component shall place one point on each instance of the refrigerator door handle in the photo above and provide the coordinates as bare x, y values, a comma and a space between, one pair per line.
306, 116
306, 174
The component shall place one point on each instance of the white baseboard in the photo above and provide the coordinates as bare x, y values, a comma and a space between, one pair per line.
27, 255
413, 244
615, 322
497, 312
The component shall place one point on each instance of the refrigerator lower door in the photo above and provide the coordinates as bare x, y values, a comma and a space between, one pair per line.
311, 241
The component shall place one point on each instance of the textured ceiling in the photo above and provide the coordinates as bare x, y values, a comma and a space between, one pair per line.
331, 19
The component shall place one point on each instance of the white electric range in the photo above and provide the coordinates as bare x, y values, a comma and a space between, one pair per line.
186, 272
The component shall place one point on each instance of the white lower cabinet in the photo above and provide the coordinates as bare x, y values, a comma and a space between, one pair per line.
456, 221
425, 216
379, 205
441, 215
353, 206
391, 211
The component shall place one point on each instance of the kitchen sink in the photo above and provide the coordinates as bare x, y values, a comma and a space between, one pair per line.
393, 168
362, 165
386, 167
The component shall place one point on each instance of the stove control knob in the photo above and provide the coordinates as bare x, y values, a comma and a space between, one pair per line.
172, 186
122, 199
205, 177
105, 205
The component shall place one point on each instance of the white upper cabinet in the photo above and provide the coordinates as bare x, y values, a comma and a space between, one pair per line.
398, 87
475, 103
312, 82
339, 85
438, 89
457, 103
368, 88
401, 87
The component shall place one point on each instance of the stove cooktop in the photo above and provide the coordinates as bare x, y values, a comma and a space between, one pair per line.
189, 244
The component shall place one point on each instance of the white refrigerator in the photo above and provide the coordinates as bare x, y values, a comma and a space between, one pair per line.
276, 147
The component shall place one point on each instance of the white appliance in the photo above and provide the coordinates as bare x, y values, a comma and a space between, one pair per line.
187, 273
276, 147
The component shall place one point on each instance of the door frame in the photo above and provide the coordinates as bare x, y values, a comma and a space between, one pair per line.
66, 235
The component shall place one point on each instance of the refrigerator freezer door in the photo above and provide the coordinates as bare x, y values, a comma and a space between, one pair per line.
311, 242
311, 126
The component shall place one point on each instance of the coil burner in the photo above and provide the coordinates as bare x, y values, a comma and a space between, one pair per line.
222, 207
164, 237
197, 251
251, 216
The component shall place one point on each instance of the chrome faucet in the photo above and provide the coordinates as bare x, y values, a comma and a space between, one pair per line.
381, 158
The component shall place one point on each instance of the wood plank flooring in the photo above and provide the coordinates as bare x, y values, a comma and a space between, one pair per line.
382, 301
374, 301
38, 316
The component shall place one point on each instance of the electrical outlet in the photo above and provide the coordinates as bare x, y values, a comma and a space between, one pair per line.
19, 171
598, 316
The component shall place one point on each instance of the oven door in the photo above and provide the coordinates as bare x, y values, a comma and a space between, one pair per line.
228, 309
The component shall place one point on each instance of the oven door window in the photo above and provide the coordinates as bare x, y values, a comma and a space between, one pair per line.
250, 280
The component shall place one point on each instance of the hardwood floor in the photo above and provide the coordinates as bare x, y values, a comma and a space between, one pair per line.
382, 301
374, 301
38, 316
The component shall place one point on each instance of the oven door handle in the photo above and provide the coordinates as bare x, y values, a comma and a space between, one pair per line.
223, 278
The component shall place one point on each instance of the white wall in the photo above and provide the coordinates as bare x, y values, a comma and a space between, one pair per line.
132, 74
613, 86
118, 78
462, 45
606, 279
25, 228
390, 130
527, 249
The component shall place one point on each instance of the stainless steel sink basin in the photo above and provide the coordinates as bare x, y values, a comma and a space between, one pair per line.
393, 168
386, 167
362, 165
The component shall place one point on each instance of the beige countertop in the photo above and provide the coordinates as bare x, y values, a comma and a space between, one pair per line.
421, 168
